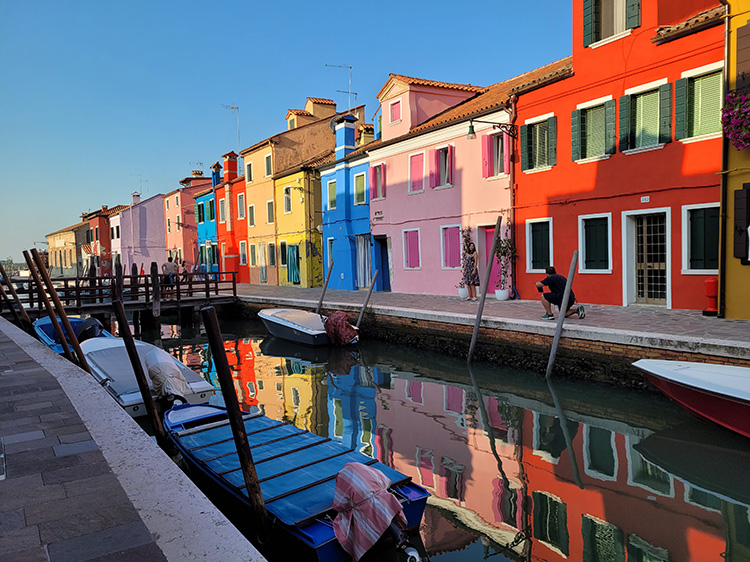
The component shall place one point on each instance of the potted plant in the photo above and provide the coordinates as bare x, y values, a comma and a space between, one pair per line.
463, 291
505, 252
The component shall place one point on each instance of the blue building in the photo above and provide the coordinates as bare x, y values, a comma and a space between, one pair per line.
205, 217
346, 214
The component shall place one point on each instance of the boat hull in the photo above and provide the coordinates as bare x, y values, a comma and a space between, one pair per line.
715, 402
46, 333
298, 326
297, 482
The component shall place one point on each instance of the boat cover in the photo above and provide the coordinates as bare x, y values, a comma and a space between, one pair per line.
165, 375
366, 508
339, 331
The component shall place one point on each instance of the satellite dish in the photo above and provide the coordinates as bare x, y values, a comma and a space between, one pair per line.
332, 124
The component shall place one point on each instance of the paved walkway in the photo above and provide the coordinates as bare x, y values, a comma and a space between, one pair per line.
81, 481
649, 326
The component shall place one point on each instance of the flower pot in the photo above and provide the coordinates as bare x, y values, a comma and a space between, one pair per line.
463, 292
502, 294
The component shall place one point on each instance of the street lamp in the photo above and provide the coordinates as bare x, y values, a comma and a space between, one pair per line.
508, 128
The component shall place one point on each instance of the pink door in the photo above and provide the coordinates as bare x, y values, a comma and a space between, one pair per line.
489, 231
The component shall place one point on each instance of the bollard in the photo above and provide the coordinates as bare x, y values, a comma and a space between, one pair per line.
712, 293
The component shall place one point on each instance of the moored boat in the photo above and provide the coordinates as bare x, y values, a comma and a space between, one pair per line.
301, 326
111, 367
297, 473
83, 328
720, 393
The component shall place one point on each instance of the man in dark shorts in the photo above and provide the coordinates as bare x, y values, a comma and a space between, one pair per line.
556, 284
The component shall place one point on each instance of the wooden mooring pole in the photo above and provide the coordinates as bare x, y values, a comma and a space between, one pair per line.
216, 344
25, 320
487, 273
48, 307
561, 315
9, 304
369, 293
325, 286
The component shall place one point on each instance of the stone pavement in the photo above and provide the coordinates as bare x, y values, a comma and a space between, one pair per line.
648, 326
79, 479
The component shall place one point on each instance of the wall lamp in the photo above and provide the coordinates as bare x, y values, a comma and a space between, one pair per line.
509, 128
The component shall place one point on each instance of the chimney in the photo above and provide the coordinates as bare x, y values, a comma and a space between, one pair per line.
345, 143
197, 173
215, 174
136, 198
230, 166
366, 134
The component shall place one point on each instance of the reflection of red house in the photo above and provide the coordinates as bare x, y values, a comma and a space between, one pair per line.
241, 358
619, 156
231, 220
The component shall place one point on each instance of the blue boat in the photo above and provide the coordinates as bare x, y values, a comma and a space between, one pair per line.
84, 328
297, 474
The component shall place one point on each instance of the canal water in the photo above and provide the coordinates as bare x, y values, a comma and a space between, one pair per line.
517, 468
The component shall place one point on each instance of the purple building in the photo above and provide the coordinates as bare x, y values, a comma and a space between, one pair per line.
143, 236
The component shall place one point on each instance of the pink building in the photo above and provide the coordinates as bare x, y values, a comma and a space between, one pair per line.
179, 218
431, 181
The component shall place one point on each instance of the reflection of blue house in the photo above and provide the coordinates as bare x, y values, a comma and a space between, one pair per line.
205, 217
352, 409
346, 214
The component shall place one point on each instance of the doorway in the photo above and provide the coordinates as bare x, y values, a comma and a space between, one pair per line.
262, 270
646, 244
381, 258
364, 263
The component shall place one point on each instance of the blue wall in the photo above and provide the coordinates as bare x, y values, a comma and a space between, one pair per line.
207, 228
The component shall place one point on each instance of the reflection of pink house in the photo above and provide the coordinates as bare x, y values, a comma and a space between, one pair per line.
431, 180
447, 450
179, 218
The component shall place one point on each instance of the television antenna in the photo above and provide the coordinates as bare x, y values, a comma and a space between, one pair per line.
349, 92
235, 109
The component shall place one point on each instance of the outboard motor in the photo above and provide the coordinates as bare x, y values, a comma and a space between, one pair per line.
89, 328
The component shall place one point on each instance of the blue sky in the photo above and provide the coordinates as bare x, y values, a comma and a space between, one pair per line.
100, 99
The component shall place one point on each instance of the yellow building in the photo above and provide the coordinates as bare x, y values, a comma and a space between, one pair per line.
734, 267
299, 214
65, 250
305, 398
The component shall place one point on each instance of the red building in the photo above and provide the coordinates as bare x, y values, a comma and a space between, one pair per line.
231, 224
619, 156
97, 250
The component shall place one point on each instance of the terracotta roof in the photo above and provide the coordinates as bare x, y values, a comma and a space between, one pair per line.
116, 210
498, 95
411, 81
367, 127
66, 229
698, 22
298, 112
325, 101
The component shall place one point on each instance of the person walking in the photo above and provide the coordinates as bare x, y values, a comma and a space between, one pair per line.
556, 284
470, 274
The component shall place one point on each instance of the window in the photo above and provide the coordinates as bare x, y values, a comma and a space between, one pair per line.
287, 200
96, 233
291, 123
602, 540
329, 254
117, 231
215, 253
111, 231
450, 241
411, 249
243, 252
608, 18
222, 211
599, 453
253, 256
395, 111
167, 202
251, 215
641, 551
249, 172
495, 155
200, 212
211, 210
240, 206
282, 253
646, 118
593, 131
377, 182
272, 254
176, 201
269, 212
697, 106
538, 244
416, 173
331, 195
441, 172
539, 144
550, 521
269, 169
359, 190
178, 224
594, 243
169, 224
701, 237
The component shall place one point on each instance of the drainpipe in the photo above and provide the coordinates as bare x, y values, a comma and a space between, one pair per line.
724, 167
512, 178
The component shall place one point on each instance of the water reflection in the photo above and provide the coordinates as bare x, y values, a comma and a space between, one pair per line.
518, 470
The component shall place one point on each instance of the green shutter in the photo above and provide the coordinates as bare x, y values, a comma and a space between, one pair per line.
680, 109
524, 136
588, 22
633, 14
552, 141
594, 133
741, 222
704, 105
704, 238
610, 131
665, 113
596, 240
575, 135
540, 257
625, 123
645, 119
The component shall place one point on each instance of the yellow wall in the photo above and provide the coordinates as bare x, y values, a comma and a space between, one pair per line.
298, 226
736, 277
258, 192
